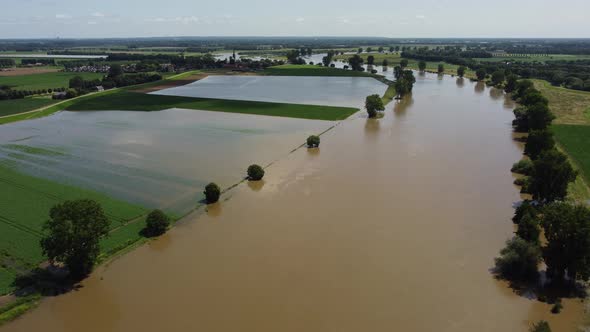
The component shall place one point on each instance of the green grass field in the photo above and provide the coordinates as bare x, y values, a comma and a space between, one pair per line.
131, 101
44, 81
25, 202
15, 106
575, 139
569, 106
309, 70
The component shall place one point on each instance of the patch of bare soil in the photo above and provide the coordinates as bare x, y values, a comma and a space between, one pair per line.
26, 71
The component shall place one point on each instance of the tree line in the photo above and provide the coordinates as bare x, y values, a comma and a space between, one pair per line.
546, 174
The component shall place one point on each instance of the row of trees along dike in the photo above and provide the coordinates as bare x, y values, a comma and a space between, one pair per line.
73, 232
404, 83
546, 174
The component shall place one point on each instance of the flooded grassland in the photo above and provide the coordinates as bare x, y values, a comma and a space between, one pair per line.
392, 224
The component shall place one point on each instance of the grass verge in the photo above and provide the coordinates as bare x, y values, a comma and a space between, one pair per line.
16, 308
15, 106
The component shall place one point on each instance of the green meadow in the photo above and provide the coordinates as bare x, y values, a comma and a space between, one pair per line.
132, 101
15, 106
309, 70
25, 202
45, 80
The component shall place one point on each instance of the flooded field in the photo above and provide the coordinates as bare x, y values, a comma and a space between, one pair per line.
155, 159
330, 91
392, 225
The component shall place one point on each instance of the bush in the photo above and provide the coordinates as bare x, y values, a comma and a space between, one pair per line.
156, 223
518, 261
557, 307
528, 228
374, 103
255, 173
524, 167
523, 209
313, 141
212, 192
541, 326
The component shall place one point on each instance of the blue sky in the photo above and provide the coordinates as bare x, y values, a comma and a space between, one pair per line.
385, 18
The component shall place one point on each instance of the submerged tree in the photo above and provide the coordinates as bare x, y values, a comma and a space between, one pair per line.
441, 68
518, 261
422, 65
313, 141
356, 62
370, 60
374, 103
528, 229
481, 74
73, 234
156, 223
541, 326
255, 172
461, 71
212, 193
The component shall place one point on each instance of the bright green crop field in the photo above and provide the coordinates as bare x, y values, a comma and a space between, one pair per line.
15, 106
25, 202
132, 101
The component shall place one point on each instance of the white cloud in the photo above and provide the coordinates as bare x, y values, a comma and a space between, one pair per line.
179, 19
62, 16
420, 17
92, 23
97, 14
344, 20
300, 19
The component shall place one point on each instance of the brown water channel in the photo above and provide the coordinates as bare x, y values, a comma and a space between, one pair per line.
392, 225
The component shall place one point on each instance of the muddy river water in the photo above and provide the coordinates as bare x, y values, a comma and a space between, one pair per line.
392, 225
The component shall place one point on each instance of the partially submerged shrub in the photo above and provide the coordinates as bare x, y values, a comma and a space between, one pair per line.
557, 307
157, 223
518, 261
528, 229
313, 141
541, 326
524, 167
212, 192
255, 172
524, 183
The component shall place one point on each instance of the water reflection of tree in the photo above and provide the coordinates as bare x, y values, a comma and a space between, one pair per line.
256, 185
402, 105
460, 82
214, 210
313, 152
480, 87
496, 94
372, 128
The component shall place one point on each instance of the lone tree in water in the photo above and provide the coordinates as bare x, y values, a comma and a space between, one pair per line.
461, 71
255, 172
73, 233
370, 60
156, 223
373, 103
313, 141
422, 65
212, 193
541, 326
441, 68
356, 62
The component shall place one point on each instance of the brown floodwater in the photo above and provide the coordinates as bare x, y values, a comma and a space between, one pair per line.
392, 225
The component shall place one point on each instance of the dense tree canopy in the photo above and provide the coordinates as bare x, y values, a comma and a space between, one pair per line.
567, 229
373, 103
72, 235
551, 175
